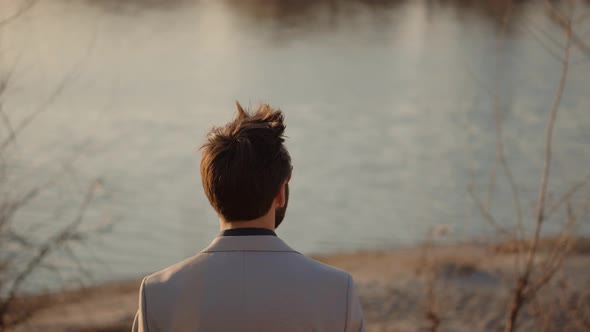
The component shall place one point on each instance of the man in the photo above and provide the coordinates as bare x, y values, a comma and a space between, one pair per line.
248, 279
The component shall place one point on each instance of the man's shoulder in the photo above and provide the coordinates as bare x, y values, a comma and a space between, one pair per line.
197, 264
323, 268
177, 270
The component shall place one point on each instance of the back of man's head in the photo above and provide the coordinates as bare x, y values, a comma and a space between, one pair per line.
244, 164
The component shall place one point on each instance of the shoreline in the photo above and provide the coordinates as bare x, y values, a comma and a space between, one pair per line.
473, 281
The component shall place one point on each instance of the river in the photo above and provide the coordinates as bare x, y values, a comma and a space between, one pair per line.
389, 105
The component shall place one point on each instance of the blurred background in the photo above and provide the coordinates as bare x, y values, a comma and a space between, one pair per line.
392, 111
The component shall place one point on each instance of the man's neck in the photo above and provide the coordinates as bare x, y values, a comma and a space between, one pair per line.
266, 222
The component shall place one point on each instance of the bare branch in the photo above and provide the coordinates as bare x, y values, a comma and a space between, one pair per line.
21, 240
491, 93
7, 77
81, 267
500, 155
52, 97
29, 119
567, 196
542, 43
566, 24
525, 287
582, 18
491, 187
18, 13
4, 82
564, 240
8, 209
561, 248
68, 233
486, 213
7, 123
540, 214
582, 317
556, 14
580, 44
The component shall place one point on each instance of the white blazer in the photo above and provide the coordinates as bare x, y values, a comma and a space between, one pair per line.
248, 283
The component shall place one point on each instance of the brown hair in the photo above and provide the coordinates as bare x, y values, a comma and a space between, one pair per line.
244, 163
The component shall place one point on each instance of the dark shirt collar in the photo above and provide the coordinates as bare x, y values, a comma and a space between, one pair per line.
247, 231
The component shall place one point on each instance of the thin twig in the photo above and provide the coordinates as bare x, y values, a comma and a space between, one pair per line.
540, 213
68, 233
566, 24
7, 123
567, 196
18, 13
522, 290
9, 208
582, 18
542, 43
580, 44
563, 241
500, 155
75, 70
486, 213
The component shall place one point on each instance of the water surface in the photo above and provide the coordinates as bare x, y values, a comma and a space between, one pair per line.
389, 111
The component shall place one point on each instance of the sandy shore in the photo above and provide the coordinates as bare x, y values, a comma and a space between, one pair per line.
471, 292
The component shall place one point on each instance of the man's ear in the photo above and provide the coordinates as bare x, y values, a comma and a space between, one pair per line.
280, 198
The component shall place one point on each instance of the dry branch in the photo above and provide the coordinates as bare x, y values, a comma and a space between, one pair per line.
500, 155
525, 287
18, 13
60, 240
21, 256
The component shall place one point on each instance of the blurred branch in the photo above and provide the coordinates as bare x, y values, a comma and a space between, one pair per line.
525, 287
8, 209
567, 196
536, 29
18, 13
581, 316
29, 119
580, 44
427, 268
554, 261
7, 123
491, 93
533, 32
540, 214
569, 302
556, 14
582, 18
486, 213
4, 81
67, 234
566, 24
500, 155
86, 273
75, 70
22, 254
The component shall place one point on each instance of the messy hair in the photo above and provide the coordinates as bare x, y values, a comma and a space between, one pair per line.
245, 162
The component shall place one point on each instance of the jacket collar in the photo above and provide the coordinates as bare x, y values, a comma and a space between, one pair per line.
248, 243
247, 232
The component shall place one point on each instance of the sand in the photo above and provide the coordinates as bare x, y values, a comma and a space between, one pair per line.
471, 288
